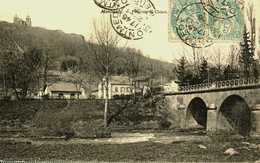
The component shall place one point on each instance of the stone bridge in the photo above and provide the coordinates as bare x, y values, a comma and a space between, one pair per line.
232, 106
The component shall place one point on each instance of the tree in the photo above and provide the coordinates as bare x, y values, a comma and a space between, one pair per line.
47, 61
70, 64
181, 70
256, 70
203, 70
214, 74
103, 46
247, 54
227, 72
23, 71
133, 62
233, 57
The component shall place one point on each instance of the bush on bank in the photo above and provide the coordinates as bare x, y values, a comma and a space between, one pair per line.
75, 120
144, 113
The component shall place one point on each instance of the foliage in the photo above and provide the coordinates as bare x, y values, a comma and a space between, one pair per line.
218, 71
203, 70
141, 113
65, 52
90, 129
230, 73
25, 110
70, 64
256, 70
133, 62
247, 54
181, 70
22, 71
74, 120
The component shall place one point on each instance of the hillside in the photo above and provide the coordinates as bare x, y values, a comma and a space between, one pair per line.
61, 46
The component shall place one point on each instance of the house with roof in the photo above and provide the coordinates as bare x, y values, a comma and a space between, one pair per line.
117, 86
65, 90
141, 82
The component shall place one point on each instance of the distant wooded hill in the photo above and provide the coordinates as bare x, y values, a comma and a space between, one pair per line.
64, 48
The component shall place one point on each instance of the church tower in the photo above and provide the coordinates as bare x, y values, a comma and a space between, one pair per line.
16, 19
28, 21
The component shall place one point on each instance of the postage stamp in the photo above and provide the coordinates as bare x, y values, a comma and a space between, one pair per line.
222, 9
201, 23
191, 25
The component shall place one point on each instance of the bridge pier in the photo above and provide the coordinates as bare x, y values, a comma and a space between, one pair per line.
212, 118
182, 116
255, 119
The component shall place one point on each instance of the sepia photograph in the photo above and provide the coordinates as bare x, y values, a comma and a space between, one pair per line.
129, 81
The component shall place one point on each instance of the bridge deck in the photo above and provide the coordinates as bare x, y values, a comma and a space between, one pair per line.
218, 86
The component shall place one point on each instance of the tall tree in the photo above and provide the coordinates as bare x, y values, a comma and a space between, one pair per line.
103, 46
203, 70
181, 70
256, 70
247, 53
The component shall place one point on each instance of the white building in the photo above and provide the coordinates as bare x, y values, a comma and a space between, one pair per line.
117, 86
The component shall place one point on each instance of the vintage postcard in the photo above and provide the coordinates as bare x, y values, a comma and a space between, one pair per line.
129, 81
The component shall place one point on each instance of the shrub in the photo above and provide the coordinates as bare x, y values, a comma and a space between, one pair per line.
74, 121
149, 113
24, 111
164, 124
90, 129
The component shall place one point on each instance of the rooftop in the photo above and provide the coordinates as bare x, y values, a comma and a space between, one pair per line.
120, 80
63, 87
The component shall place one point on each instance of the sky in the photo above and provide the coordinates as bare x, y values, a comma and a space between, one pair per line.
76, 16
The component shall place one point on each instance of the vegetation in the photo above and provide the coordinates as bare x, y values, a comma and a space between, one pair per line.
104, 49
21, 113
161, 150
59, 51
83, 118
22, 71
142, 113
246, 57
243, 67
77, 119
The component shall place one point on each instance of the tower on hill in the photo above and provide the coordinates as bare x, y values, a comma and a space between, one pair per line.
20, 21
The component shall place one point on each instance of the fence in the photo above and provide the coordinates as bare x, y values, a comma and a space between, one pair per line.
220, 85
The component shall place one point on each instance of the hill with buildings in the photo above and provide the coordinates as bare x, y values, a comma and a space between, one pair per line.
65, 50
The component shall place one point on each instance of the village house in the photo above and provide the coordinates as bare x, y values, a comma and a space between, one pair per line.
140, 82
117, 86
65, 90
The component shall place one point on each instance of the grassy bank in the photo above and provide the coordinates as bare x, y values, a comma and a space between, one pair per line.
146, 151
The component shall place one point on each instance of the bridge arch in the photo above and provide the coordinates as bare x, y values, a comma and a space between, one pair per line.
234, 115
197, 113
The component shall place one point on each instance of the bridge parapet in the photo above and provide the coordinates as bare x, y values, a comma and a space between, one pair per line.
236, 83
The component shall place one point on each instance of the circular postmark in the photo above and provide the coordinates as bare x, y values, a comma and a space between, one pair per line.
222, 9
111, 4
132, 21
192, 26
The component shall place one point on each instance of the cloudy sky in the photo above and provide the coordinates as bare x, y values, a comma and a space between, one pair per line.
75, 16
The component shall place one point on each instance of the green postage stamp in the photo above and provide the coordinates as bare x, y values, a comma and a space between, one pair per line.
200, 23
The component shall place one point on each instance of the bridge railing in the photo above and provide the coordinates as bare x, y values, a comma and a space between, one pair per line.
220, 85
